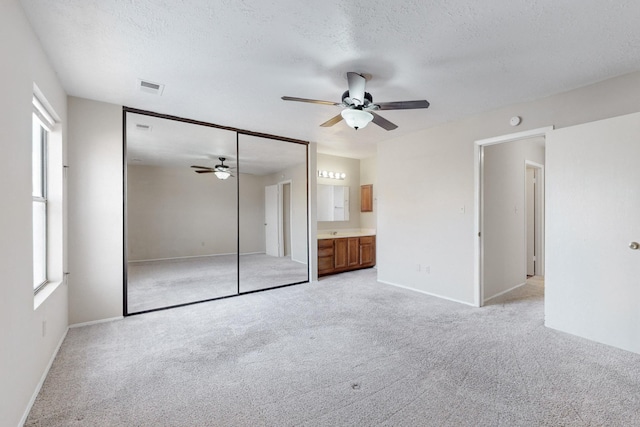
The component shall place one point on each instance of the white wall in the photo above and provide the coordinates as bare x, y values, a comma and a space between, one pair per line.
505, 211
352, 168
312, 207
174, 212
593, 200
26, 348
425, 209
252, 235
95, 184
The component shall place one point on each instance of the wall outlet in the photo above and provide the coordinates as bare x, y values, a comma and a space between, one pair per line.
427, 269
44, 328
418, 267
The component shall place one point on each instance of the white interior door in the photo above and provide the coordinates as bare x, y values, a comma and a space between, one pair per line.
271, 226
592, 276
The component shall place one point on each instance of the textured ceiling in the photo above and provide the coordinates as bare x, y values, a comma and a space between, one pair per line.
229, 61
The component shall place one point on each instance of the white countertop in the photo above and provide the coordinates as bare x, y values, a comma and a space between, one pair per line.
344, 233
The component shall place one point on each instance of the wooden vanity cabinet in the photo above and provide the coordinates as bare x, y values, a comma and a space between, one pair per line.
345, 253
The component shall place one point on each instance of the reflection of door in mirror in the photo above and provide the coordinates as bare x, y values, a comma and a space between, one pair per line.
271, 228
273, 213
332, 203
181, 238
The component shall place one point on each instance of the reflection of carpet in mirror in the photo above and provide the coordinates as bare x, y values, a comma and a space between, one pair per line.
156, 284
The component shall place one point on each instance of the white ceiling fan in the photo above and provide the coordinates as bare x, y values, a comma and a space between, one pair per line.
358, 105
221, 170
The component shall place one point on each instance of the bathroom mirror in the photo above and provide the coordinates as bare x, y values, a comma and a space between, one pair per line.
333, 203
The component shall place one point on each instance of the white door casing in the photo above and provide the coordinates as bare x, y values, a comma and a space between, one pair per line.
478, 200
530, 217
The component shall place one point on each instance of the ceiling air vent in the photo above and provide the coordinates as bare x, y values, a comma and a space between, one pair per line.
150, 87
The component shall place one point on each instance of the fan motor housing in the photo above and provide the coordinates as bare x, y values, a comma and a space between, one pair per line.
346, 99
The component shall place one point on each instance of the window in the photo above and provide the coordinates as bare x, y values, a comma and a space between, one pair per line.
42, 123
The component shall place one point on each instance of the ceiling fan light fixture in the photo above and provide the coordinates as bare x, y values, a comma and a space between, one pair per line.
356, 118
222, 174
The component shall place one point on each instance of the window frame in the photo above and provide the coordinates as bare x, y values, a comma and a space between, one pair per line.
42, 123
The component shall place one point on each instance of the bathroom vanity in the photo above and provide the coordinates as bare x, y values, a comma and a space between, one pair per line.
339, 252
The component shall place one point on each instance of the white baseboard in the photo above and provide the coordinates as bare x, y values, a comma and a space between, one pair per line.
41, 382
299, 261
95, 322
427, 293
177, 258
504, 292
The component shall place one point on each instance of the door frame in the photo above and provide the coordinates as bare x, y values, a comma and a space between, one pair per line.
478, 208
281, 185
538, 236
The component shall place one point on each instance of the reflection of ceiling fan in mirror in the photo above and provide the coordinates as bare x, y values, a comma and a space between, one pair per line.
359, 107
222, 171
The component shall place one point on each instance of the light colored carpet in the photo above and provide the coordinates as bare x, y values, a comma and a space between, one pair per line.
157, 284
346, 351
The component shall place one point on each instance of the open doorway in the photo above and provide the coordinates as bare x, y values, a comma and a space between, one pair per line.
278, 216
509, 215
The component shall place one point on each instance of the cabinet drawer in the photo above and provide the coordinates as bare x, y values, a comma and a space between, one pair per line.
324, 252
325, 243
325, 264
367, 240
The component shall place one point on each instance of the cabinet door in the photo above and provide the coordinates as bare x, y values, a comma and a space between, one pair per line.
340, 252
325, 256
353, 251
367, 251
366, 198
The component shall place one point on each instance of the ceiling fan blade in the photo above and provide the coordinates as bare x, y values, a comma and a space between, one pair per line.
312, 101
382, 122
332, 121
402, 105
202, 167
356, 87
205, 171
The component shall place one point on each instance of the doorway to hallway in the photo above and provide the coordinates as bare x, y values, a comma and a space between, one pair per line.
509, 212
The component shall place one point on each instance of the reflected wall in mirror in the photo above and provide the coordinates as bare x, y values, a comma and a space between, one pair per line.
333, 203
273, 220
181, 233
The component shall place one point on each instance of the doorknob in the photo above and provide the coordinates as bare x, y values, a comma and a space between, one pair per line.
634, 245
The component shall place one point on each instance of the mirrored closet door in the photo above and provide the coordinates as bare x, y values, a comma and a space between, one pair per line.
203, 207
273, 213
